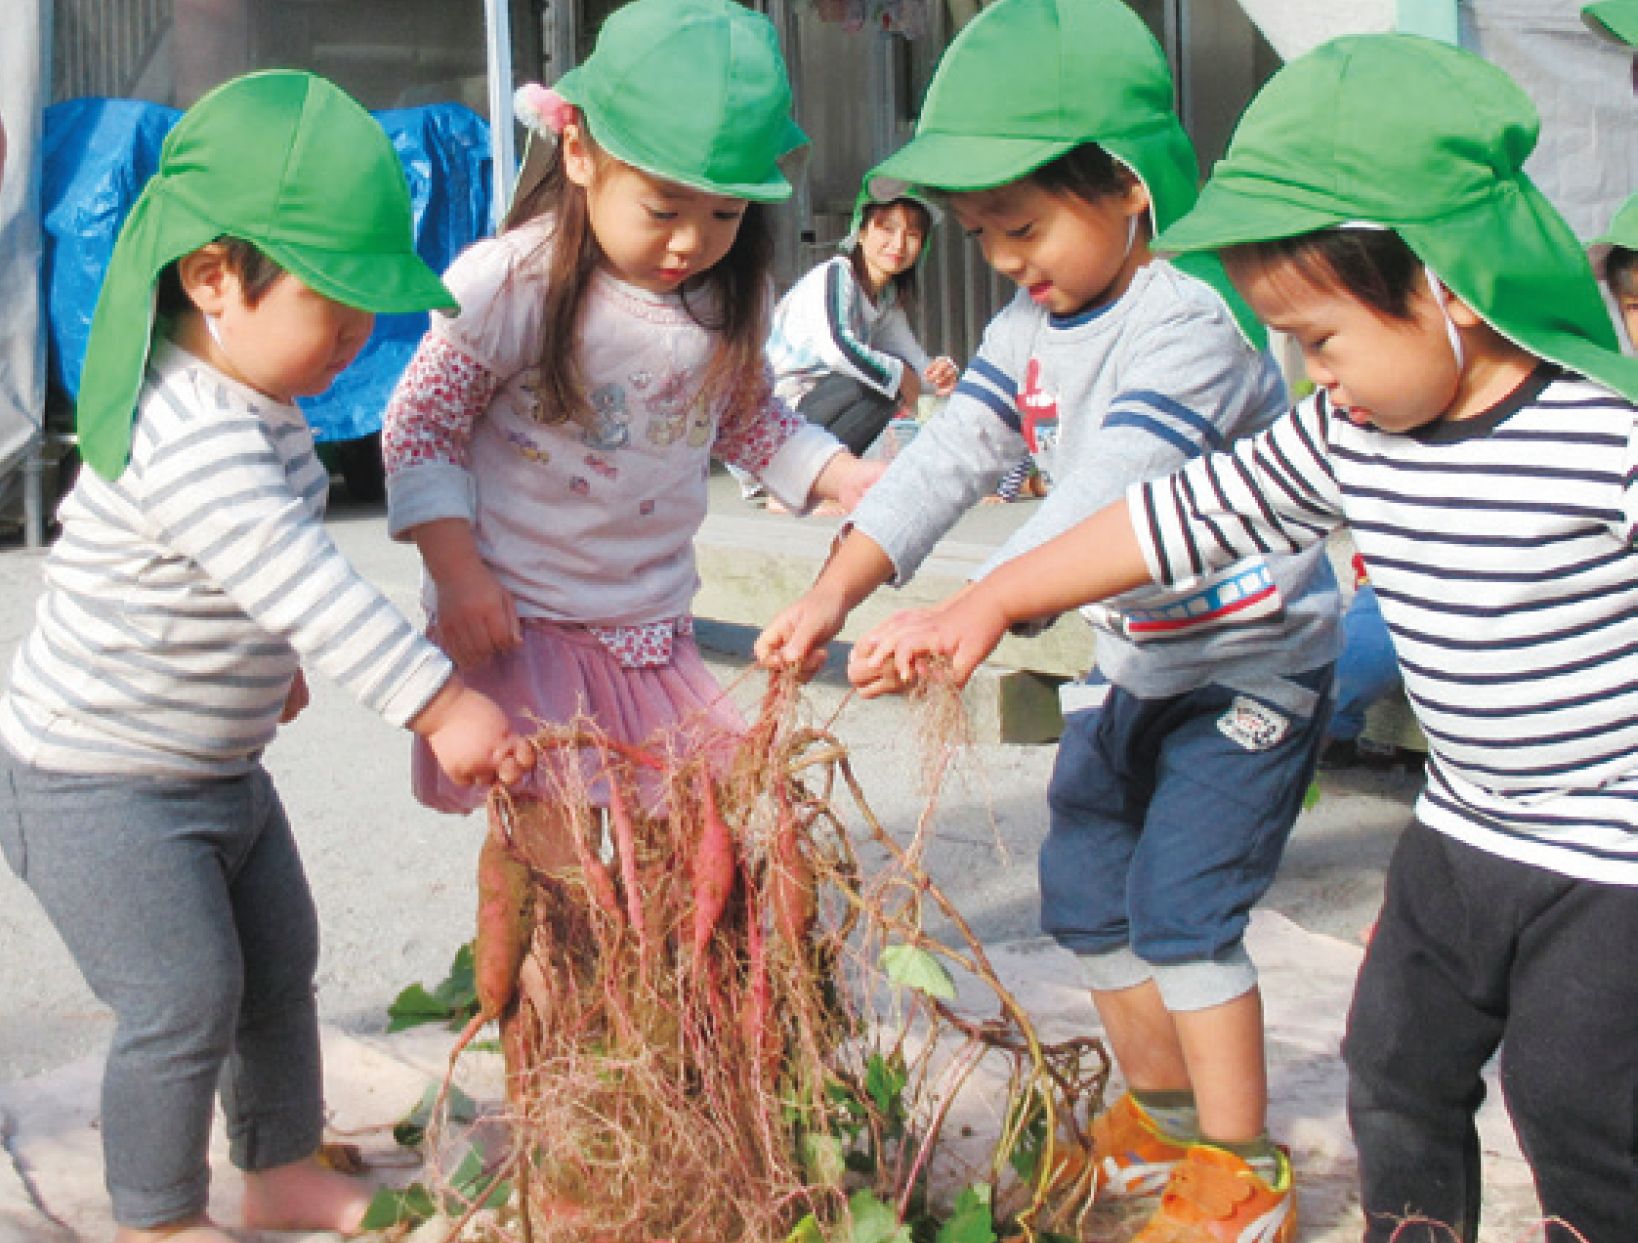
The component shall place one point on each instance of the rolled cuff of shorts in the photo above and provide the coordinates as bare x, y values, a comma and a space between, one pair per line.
1187, 986
1113, 971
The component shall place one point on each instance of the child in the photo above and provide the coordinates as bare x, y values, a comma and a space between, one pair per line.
548, 448
1050, 123
1448, 317
1615, 258
842, 350
192, 573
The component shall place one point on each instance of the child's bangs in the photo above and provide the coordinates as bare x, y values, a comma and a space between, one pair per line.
1373, 266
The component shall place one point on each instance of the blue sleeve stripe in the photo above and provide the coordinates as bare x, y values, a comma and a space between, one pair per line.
1166, 405
1152, 425
1002, 381
1000, 406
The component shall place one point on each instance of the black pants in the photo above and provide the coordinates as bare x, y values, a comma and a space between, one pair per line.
852, 411
1473, 952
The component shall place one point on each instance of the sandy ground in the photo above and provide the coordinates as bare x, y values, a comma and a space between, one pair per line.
392, 883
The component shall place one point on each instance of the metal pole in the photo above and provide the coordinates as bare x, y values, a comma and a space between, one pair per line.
497, 23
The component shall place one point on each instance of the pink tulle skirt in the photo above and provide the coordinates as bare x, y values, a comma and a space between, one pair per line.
562, 671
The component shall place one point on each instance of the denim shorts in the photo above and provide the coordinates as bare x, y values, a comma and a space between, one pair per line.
1168, 816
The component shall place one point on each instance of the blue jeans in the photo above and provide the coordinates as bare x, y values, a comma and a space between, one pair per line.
1168, 816
185, 907
1368, 668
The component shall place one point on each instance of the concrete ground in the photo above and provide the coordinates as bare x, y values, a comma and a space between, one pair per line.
393, 885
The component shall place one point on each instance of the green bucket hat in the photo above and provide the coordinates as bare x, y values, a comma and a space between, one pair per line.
693, 91
287, 162
1623, 232
1027, 81
1429, 141
1616, 20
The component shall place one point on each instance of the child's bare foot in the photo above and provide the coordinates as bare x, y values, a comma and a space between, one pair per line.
830, 509
776, 507
304, 1195
189, 1230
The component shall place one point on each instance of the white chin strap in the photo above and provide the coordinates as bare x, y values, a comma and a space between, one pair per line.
215, 330
1440, 296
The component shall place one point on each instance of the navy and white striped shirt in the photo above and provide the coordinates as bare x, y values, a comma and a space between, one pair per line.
1501, 550
181, 597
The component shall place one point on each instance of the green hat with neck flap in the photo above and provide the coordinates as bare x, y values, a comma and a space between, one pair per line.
1429, 141
1028, 81
691, 91
287, 162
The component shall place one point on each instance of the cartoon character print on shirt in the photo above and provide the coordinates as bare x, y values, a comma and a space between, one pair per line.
610, 427
1038, 413
668, 409
526, 448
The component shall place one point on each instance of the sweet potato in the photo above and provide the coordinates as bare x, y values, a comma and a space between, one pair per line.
714, 867
505, 909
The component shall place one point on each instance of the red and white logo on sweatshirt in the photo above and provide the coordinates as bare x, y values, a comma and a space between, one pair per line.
1037, 411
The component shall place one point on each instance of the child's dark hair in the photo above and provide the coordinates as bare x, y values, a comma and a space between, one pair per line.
1373, 265
738, 312
1621, 272
904, 284
256, 273
1086, 172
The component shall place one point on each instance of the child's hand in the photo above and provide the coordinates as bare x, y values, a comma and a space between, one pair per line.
893, 655
845, 479
797, 637
943, 375
471, 738
475, 616
295, 699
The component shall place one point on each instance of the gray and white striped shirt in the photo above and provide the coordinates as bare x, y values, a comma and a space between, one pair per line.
181, 598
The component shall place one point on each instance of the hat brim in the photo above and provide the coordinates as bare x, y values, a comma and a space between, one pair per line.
383, 284
1615, 22
775, 188
956, 163
1224, 216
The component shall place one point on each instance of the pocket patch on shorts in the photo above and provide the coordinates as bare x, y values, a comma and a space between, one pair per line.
1253, 726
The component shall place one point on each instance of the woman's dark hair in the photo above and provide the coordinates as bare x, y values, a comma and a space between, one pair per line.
1086, 172
256, 273
1621, 272
904, 284
1373, 265
729, 299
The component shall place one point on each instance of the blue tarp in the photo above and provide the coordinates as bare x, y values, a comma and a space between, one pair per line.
98, 153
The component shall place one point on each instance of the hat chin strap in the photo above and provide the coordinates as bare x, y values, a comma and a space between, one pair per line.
1440, 297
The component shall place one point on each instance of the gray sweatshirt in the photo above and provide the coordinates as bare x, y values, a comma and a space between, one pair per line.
1106, 398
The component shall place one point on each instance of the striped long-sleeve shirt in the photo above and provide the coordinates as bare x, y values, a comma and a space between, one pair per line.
180, 598
1501, 551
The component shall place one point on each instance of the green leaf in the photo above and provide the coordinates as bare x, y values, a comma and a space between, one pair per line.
910, 967
1025, 1157
453, 1001
1311, 795
807, 1231
874, 1222
884, 1080
391, 1207
971, 1220
411, 1129
469, 1181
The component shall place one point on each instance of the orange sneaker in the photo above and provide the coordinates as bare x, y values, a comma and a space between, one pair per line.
1129, 1156
1215, 1197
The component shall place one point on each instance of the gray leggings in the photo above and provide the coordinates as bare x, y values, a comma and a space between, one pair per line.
185, 906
